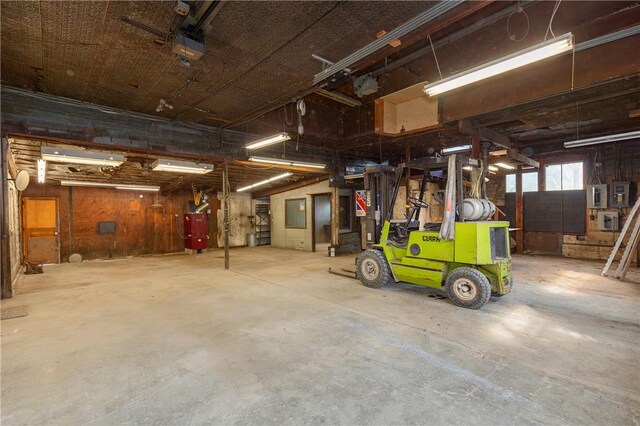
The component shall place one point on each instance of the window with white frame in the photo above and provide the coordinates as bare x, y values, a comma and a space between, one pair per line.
529, 182
563, 177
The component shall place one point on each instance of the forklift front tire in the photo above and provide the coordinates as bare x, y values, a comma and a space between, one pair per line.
468, 288
372, 269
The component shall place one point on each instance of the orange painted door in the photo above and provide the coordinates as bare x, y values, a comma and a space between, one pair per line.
41, 230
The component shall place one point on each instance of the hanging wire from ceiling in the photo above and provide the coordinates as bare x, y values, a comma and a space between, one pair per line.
288, 116
520, 11
184, 87
435, 57
550, 26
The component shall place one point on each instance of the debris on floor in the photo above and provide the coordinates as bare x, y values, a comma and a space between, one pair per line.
33, 267
14, 312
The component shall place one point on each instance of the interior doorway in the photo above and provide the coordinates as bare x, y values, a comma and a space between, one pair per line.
41, 230
321, 221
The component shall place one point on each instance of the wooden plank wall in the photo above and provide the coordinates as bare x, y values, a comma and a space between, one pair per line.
140, 228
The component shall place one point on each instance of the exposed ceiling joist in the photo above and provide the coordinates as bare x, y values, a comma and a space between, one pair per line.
176, 185
486, 134
515, 155
289, 187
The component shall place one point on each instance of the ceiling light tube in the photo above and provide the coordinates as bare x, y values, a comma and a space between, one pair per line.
42, 170
454, 149
602, 139
76, 156
493, 168
354, 176
287, 162
505, 166
110, 185
339, 97
264, 182
177, 166
510, 62
271, 140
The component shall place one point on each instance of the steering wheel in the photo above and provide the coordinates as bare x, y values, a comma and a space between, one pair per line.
417, 203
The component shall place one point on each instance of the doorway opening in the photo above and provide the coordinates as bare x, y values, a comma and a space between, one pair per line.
321, 222
41, 230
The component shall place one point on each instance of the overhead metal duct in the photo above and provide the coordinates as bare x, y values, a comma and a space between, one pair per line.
404, 29
202, 207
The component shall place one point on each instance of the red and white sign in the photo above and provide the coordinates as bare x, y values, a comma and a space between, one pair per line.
361, 204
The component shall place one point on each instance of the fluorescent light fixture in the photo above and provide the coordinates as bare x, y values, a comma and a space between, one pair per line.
354, 176
339, 97
287, 162
110, 185
492, 169
510, 62
42, 170
77, 156
264, 182
455, 149
177, 166
602, 139
505, 166
271, 140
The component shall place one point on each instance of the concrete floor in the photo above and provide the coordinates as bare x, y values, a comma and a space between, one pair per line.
277, 340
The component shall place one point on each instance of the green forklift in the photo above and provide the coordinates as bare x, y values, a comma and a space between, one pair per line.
467, 254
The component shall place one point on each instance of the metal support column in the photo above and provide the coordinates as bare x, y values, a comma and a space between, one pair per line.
408, 171
519, 213
485, 167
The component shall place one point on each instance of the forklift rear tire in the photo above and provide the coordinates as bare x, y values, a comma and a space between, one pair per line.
468, 288
372, 269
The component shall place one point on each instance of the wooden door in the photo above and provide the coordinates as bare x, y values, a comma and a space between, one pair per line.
41, 230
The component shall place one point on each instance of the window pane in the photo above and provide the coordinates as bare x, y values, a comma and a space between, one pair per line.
295, 215
510, 183
572, 176
553, 178
530, 182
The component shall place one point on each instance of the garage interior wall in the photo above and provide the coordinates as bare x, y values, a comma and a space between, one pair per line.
594, 243
295, 238
140, 228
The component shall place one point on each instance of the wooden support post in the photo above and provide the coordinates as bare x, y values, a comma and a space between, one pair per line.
225, 215
475, 146
11, 165
5, 250
519, 214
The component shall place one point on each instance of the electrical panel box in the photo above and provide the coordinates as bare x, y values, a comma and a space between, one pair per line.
597, 196
620, 194
195, 231
187, 47
607, 221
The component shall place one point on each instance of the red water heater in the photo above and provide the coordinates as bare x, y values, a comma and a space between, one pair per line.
195, 231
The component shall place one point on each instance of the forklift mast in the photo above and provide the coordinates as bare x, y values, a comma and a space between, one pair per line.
380, 183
